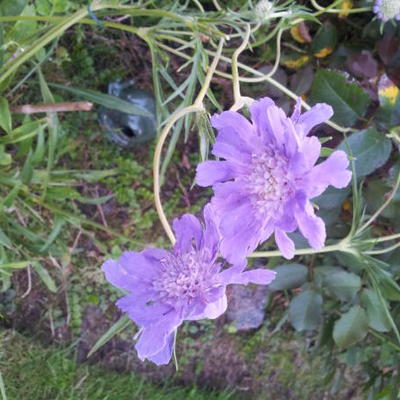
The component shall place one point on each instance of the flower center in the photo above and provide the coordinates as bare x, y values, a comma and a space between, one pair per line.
268, 182
387, 9
183, 277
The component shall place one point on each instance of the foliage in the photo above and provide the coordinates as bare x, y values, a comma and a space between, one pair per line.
347, 296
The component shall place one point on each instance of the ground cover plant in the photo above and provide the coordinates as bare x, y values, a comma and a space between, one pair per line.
303, 165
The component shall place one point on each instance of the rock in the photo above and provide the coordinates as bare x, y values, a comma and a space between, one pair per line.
246, 306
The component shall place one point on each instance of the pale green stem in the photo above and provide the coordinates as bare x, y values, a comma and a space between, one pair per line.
195, 107
382, 239
331, 9
382, 207
238, 101
261, 75
216, 5
383, 251
276, 64
327, 249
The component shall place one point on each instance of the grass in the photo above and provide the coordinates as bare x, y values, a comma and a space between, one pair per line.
31, 371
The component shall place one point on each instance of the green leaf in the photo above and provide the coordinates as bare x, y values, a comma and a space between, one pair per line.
5, 240
376, 314
305, 310
5, 158
5, 115
341, 284
118, 327
23, 132
370, 148
289, 276
351, 327
45, 277
324, 41
348, 100
10, 8
58, 224
2, 388
106, 100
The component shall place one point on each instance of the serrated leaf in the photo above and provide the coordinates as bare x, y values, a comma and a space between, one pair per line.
348, 100
376, 314
288, 276
119, 326
45, 277
370, 148
5, 116
106, 100
305, 310
351, 327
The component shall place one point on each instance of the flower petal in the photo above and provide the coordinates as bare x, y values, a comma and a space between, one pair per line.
284, 243
330, 172
186, 229
234, 124
164, 355
142, 307
236, 275
210, 172
311, 226
212, 310
258, 111
321, 112
154, 337
130, 269
211, 236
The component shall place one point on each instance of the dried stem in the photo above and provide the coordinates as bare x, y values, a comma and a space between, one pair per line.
55, 107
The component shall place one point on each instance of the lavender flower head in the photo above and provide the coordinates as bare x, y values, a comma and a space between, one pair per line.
268, 177
387, 9
167, 287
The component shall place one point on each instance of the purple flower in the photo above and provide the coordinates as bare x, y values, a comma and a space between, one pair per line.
167, 287
268, 177
387, 9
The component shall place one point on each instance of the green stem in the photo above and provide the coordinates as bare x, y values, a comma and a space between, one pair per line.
382, 207
327, 249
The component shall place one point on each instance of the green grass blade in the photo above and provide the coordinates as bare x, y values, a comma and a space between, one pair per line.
119, 326
105, 100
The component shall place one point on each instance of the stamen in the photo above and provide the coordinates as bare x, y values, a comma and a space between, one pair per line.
268, 182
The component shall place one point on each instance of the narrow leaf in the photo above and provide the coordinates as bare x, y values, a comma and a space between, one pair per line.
106, 100
118, 327
45, 277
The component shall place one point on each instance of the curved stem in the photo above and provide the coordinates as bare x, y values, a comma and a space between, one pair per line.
382, 207
383, 251
276, 64
195, 107
261, 75
331, 9
235, 71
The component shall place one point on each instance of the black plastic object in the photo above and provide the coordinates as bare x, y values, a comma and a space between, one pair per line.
129, 130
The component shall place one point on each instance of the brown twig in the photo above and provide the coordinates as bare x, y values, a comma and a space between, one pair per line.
57, 107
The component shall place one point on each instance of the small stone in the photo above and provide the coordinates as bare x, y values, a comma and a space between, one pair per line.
246, 306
